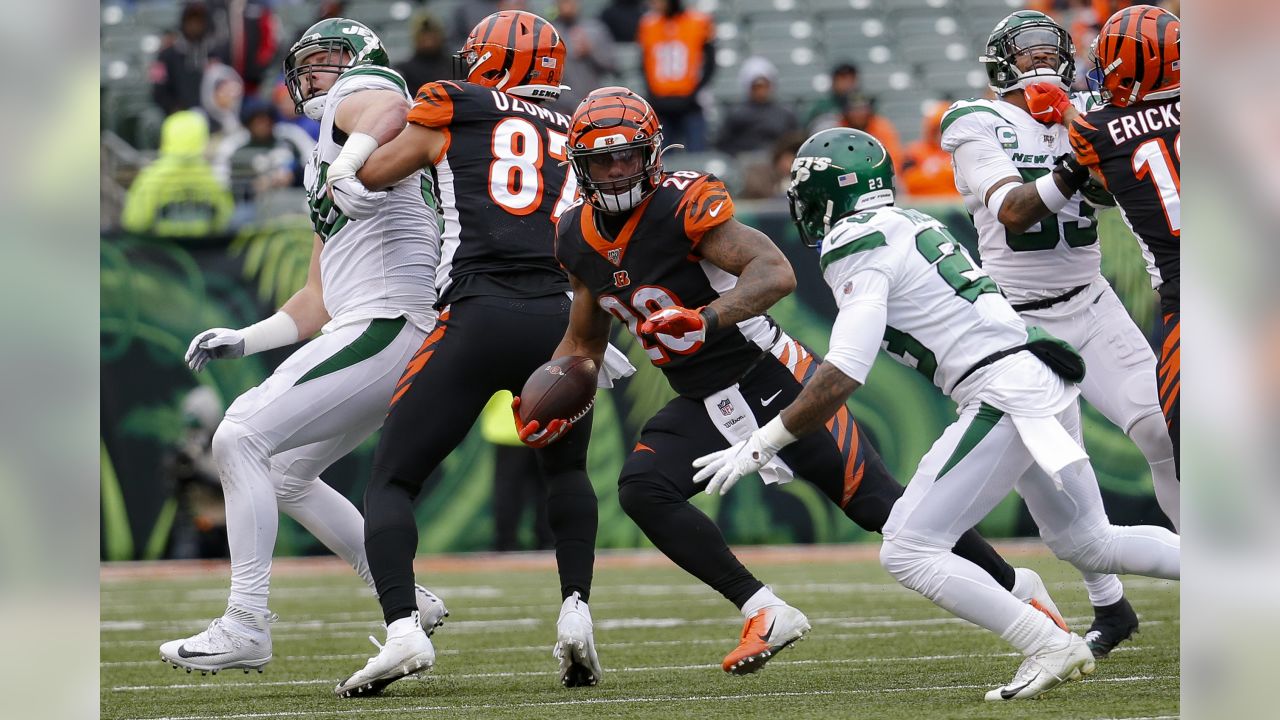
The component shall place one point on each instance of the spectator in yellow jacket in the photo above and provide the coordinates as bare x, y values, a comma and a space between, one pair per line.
178, 195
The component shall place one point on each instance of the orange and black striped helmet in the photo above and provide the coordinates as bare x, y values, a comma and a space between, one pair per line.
614, 126
1137, 56
516, 52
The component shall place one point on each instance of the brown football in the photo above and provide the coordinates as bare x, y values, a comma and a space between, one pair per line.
563, 389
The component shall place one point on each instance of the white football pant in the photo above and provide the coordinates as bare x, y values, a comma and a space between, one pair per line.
987, 459
277, 438
1120, 380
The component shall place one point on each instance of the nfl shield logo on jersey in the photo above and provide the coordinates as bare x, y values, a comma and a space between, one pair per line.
726, 407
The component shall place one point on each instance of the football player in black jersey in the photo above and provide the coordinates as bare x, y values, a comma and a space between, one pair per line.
662, 253
494, 151
1133, 142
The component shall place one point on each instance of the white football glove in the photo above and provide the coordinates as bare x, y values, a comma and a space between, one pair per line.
214, 344
354, 199
726, 467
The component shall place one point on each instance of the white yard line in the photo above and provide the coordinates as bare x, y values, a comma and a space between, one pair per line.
217, 684
365, 710
307, 630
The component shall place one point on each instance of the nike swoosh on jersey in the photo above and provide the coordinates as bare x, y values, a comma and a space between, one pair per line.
716, 210
764, 402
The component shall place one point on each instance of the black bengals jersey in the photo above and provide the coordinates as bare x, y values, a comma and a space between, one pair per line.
501, 188
653, 263
1138, 152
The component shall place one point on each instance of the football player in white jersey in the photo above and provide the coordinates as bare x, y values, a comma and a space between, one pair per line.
901, 280
1037, 237
369, 292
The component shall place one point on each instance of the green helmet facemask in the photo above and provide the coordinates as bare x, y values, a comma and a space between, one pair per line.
837, 172
331, 46
1022, 32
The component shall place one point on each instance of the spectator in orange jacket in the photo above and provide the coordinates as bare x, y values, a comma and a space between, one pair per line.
926, 167
677, 47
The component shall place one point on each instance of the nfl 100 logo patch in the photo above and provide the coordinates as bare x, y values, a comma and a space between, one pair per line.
615, 255
726, 407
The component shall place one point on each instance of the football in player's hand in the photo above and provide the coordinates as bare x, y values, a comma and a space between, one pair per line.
563, 389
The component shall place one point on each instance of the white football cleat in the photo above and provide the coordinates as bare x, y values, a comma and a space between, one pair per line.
1046, 670
575, 644
431, 610
1030, 589
764, 635
238, 639
408, 651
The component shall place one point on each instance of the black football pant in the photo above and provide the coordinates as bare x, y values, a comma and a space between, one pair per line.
657, 481
481, 345
1169, 376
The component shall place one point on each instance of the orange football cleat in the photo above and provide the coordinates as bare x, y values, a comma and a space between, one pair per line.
764, 635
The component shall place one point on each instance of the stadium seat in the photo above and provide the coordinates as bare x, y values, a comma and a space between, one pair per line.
959, 79
380, 15
628, 57
889, 77
717, 163
924, 7
157, 15
846, 8
294, 18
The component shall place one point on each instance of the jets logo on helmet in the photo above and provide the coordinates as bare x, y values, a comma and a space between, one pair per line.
516, 52
1025, 35
614, 126
837, 172
330, 47
1138, 56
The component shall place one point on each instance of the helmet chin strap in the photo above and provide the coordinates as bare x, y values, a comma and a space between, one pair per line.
622, 202
314, 107
1038, 75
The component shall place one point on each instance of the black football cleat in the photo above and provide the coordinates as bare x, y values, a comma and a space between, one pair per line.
1112, 625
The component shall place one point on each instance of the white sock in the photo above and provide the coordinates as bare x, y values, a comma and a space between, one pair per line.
252, 516
1151, 435
1033, 631
1103, 589
763, 598
330, 516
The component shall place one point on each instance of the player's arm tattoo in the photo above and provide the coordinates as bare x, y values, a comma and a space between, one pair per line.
764, 273
821, 398
588, 331
1022, 207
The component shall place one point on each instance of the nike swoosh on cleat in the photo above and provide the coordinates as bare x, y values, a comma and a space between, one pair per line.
1010, 693
183, 652
765, 637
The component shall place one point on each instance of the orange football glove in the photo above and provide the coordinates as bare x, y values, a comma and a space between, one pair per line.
529, 432
1046, 102
678, 322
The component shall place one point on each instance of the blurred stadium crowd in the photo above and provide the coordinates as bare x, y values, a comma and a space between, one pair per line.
740, 83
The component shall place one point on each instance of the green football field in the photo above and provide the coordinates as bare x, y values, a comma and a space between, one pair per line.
876, 649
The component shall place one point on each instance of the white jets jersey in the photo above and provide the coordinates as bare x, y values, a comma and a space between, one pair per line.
944, 313
1060, 251
383, 266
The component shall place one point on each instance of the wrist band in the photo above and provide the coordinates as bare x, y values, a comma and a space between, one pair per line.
776, 435
1052, 197
277, 330
709, 318
355, 151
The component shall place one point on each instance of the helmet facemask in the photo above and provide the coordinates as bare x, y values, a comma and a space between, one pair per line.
326, 56
1005, 50
640, 162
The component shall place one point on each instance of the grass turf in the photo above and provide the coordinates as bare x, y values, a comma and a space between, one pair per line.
876, 649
